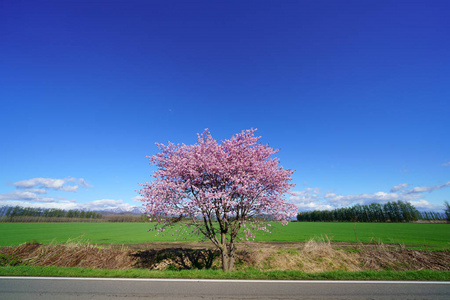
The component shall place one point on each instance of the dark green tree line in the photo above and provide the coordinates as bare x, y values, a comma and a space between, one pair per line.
18, 211
399, 211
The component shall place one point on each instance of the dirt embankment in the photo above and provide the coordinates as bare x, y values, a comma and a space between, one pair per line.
312, 256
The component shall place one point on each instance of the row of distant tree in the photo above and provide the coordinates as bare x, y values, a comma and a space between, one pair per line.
31, 214
19, 211
399, 211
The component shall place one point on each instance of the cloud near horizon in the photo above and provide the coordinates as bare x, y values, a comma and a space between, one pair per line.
313, 199
107, 204
96, 205
34, 193
25, 196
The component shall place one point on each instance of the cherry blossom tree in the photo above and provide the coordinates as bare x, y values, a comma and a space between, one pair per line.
228, 191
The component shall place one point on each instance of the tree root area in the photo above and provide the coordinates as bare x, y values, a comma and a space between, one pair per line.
312, 256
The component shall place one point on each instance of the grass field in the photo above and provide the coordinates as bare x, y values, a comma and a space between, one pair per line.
423, 275
423, 236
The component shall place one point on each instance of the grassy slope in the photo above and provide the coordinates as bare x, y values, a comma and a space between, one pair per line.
432, 236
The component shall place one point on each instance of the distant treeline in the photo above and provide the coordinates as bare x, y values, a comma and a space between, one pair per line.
30, 214
399, 211
18, 212
125, 218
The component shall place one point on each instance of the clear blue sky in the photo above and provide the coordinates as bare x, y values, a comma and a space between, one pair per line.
355, 94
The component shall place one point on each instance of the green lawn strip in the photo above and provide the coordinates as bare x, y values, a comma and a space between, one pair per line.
424, 236
13, 234
414, 235
422, 275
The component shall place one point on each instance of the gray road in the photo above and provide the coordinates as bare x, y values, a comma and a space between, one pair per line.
79, 288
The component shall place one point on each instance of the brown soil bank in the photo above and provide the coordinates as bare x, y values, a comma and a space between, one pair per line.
308, 257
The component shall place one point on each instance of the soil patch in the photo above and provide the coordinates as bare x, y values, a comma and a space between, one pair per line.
312, 256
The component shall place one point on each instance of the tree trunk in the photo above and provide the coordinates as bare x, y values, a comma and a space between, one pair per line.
228, 258
228, 252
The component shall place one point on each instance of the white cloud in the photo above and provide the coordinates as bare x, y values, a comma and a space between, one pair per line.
313, 199
107, 204
59, 204
37, 191
423, 189
48, 183
69, 188
51, 183
424, 205
316, 206
137, 198
103, 204
399, 187
79, 181
309, 194
25, 196
29, 193
447, 164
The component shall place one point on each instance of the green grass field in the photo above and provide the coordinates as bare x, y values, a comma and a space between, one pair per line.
423, 236
51, 271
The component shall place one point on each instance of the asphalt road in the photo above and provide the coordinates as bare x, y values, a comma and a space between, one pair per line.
96, 289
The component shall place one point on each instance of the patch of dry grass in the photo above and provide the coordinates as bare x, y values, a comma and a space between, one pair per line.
312, 256
82, 255
382, 257
317, 255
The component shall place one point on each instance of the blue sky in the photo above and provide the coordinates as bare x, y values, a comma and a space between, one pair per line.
355, 94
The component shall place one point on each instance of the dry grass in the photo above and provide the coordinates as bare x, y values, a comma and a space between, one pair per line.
312, 256
317, 255
402, 259
82, 255
322, 255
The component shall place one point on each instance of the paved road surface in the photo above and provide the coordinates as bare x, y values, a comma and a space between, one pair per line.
98, 289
